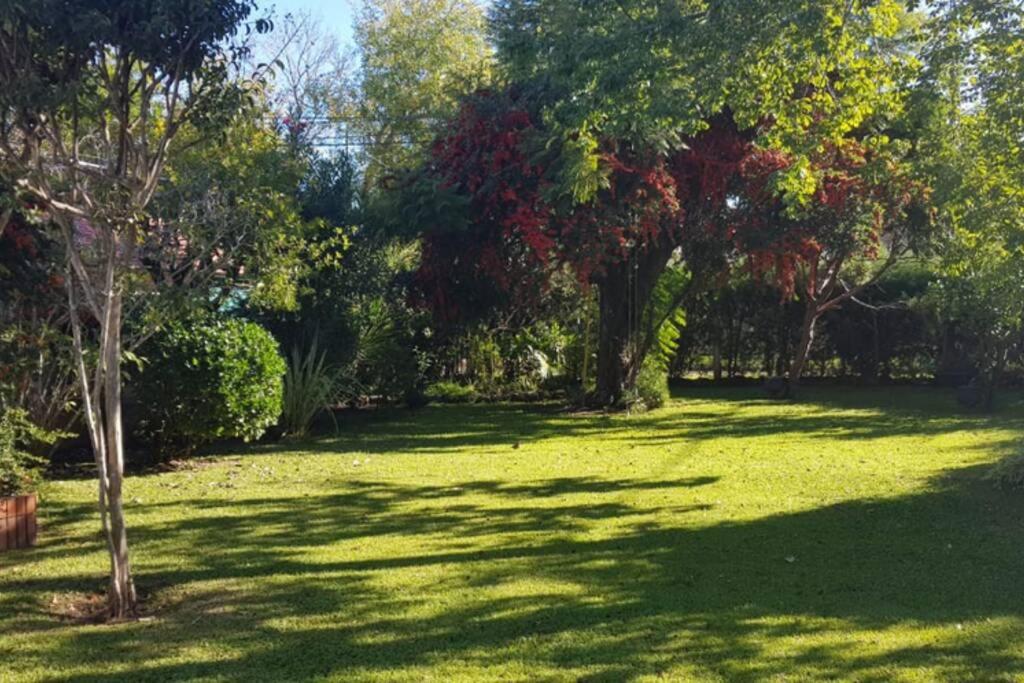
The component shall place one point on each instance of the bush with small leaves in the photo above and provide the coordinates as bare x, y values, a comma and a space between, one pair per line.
1008, 473
451, 392
20, 469
651, 390
210, 379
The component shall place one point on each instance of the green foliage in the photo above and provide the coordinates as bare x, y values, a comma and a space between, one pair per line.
20, 469
352, 291
210, 379
383, 360
974, 161
417, 57
665, 314
1009, 472
327, 189
170, 36
651, 389
677, 63
451, 392
238, 198
665, 321
310, 387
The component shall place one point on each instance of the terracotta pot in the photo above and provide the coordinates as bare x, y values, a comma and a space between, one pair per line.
17, 522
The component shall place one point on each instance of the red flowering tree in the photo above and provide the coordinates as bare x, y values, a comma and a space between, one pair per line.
494, 227
654, 208
865, 215
480, 208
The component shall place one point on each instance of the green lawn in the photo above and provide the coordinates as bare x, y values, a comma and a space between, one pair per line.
850, 536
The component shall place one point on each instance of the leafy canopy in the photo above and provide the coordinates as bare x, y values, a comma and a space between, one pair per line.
655, 71
418, 57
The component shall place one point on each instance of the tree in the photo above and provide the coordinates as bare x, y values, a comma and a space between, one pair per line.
311, 89
980, 290
234, 221
417, 58
92, 99
788, 72
494, 234
974, 124
866, 214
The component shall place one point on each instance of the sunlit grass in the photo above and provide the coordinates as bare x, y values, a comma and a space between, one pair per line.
851, 535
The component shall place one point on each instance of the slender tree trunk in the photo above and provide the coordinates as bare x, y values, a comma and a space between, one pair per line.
803, 349
122, 594
784, 334
101, 403
716, 360
585, 371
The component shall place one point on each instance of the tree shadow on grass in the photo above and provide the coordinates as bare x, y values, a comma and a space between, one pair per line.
817, 593
844, 414
824, 592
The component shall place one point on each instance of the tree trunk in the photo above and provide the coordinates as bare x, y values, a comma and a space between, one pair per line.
616, 366
624, 294
716, 360
122, 597
784, 334
101, 407
803, 349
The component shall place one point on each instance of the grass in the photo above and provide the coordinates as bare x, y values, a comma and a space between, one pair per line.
849, 536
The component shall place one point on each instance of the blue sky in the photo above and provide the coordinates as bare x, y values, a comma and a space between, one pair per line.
335, 14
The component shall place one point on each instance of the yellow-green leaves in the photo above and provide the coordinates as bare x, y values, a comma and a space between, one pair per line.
583, 171
648, 70
418, 57
796, 184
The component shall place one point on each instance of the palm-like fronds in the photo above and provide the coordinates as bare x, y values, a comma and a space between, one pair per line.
310, 386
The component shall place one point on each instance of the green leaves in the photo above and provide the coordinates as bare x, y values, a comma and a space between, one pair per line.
583, 172
211, 379
650, 71
310, 386
20, 469
417, 58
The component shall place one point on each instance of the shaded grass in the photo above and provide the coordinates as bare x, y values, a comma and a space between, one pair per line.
725, 537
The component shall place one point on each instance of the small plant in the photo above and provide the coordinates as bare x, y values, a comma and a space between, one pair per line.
451, 392
210, 379
651, 390
20, 470
310, 386
1009, 472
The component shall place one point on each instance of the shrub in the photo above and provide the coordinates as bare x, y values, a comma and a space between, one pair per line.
1009, 472
20, 470
310, 386
651, 389
210, 379
451, 392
